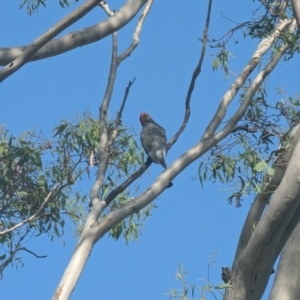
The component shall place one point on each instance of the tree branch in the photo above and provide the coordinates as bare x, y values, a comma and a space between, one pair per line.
36, 214
119, 115
193, 80
113, 194
31, 252
296, 10
12, 253
136, 33
78, 38
26, 55
251, 91
263, 47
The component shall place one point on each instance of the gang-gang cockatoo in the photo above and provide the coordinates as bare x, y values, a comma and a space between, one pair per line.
154, 139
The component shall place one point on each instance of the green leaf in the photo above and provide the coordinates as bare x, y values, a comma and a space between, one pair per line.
58, 130
223, 286
260, 166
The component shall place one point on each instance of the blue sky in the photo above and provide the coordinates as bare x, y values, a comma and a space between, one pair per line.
190, 222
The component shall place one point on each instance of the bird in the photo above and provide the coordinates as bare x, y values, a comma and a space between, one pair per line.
154, 139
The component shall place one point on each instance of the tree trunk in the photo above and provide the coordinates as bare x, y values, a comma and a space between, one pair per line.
287, 281
252, 271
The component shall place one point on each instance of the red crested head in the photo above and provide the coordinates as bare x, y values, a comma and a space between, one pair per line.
145, 118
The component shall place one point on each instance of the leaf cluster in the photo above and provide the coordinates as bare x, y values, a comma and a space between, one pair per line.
265, 18
192, 291
247, 155
33, 5
37, 177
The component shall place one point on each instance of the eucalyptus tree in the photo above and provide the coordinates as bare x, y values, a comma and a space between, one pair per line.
34, 198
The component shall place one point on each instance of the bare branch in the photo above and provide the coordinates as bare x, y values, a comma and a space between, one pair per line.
31, 252
113, 194
136, 33
245, 128
106, 8
119, 115
45, 38
78, 38
193, 80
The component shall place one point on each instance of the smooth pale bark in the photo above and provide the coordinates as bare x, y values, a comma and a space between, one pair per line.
287, 281
256, 263
78, 38
262, 199
296, 9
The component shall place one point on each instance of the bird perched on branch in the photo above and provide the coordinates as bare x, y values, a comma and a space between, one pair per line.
154, 139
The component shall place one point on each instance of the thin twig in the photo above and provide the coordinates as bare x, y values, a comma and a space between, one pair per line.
113, 194
245, 128
119, 115
12, 253
37, 256
136, 33
193, 80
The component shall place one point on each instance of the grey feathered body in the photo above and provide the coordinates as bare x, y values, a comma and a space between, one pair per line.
154, 142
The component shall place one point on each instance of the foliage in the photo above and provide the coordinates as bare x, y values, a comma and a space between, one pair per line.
248, 153
131, 227
265, 18
33, 5
221, 60
37, 178
192, 291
